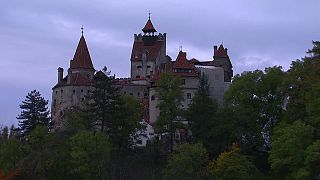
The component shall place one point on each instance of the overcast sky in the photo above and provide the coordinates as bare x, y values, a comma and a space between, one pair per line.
38, 36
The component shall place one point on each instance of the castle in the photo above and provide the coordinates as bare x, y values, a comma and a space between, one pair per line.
148, 60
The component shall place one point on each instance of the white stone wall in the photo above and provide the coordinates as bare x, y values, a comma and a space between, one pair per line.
216, 81
66, 97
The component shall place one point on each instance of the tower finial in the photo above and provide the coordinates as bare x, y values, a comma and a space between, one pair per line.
180, 48
149, 15
81, 30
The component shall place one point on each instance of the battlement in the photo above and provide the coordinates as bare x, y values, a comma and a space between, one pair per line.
140, 37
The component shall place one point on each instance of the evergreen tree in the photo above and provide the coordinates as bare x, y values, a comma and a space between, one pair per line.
34, 112
114, 115
201, 113
103, 101
170, 94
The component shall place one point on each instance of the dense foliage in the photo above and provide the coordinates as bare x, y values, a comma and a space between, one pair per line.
267, 128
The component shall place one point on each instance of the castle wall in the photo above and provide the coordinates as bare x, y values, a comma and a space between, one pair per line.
216, 81
141, 69
65, 97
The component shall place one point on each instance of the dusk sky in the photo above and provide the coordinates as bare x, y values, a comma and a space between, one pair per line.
38, 36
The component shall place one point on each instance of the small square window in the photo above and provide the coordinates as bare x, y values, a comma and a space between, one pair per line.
188, 95
183, 81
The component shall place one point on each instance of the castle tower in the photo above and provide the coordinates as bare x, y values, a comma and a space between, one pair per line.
148, 53
221, 59
71, 89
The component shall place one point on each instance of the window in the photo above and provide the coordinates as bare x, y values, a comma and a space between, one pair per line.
137, 76
138, 94
183, 81
139, 67
61, 91
139, 141
148, 76
74, 91
81, 90
56, 92
82, 99
188, 95
153, 98
148, 66
125, 92
88, 91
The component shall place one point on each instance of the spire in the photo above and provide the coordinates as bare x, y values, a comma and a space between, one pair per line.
82, 30
82, 57
148, 28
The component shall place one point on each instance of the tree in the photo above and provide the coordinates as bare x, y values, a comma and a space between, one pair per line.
202, 115
233, 165
90, 155
34, 112
256, 101
10, 152
103, 101
170, 94
287, 155
300, 79
188, 161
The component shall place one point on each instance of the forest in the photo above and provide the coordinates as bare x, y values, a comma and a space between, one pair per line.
267, 128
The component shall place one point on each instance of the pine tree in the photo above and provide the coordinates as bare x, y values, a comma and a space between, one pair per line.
34, 112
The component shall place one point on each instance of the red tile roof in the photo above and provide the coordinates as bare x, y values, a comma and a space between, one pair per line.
182, 62
220, 52
153, 51
183, 67
149, 27
76, 79
82, 57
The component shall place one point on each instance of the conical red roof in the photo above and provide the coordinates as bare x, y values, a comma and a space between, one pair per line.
149, 27
82, 57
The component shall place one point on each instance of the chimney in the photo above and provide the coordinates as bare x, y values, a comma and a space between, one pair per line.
215, 48
60, 74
